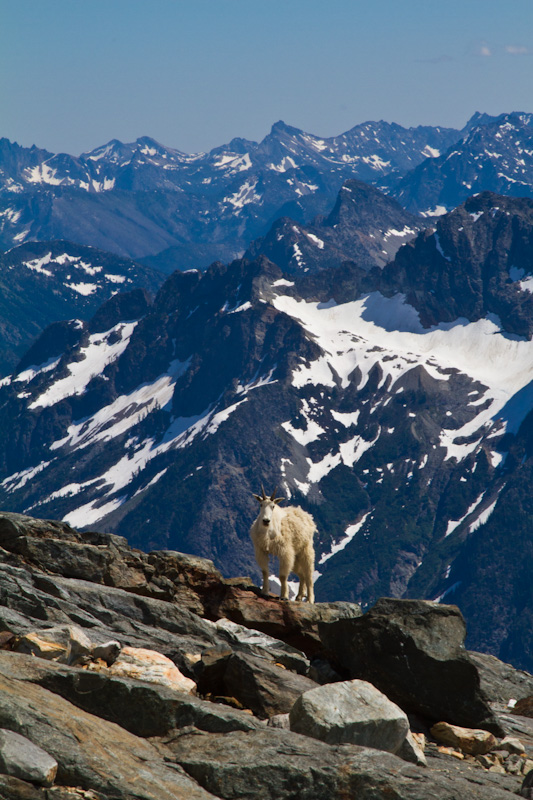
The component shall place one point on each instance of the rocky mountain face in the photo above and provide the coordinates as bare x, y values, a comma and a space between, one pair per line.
142, 198
46, 282
364, 226
128, 675
393, 404
496, 155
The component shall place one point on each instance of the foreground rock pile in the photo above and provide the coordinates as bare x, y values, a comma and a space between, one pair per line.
132, 675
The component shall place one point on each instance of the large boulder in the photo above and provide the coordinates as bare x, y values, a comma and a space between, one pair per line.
413, 651
257, 684
352, 712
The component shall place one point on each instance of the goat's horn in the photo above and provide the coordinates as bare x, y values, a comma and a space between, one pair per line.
263, 490
273, 495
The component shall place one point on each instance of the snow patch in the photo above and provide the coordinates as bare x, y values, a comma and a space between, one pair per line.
349, 534
94, 359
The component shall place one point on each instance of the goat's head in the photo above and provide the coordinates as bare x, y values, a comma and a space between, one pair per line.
268, 504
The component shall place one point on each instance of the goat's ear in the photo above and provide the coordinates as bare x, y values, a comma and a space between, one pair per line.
279, 500
259, 499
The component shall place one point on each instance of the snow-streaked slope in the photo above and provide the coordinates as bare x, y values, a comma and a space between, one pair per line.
375, 330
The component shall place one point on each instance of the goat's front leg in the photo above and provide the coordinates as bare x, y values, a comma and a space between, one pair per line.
262, 560
284, 570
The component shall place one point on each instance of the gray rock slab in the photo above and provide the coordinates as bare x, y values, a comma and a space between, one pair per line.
142, 709
501, 682
352, 712
32, 601
92, 753
23, 759
268, 764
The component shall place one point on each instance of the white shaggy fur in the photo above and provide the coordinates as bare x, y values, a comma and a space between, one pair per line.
288, 534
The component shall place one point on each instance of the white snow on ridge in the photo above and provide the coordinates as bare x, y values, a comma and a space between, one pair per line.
125, 412
11, 215
349, 534
438, 211
406, 231
346, 419
527, 285
44, 174
483, 517
282, 282
376, 162
97, 355
91, 513
286, 163
37, 265
430, 152
454, 523
30, 373
359, 334
245, 195
319, 243
19, 479
84, 289
312, 431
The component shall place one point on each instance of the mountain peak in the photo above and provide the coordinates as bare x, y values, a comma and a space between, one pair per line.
280, 127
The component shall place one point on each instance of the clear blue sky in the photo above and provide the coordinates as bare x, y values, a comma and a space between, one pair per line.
195, 73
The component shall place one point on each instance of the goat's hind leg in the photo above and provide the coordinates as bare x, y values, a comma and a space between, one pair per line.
309, 585
302, 587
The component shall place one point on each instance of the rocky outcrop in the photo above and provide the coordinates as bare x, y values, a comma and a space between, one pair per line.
122, 726
413, 650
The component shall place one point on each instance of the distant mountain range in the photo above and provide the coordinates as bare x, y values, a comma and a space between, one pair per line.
143, 199
392, 401
496, 155
173, 210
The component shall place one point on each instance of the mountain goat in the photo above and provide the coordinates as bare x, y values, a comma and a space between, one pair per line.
288, 534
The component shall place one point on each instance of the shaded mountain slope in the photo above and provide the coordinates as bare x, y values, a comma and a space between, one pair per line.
388, 402
364, 226
45, 282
